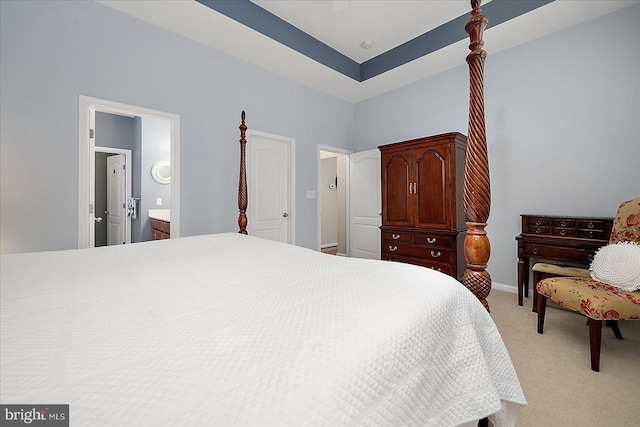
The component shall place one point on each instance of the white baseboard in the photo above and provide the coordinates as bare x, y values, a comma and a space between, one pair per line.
504, 288
328, 245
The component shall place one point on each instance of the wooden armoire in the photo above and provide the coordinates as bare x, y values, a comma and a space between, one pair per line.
423, 220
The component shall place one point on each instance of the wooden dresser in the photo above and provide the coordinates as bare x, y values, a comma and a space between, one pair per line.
423, 221
160, 229
563, 239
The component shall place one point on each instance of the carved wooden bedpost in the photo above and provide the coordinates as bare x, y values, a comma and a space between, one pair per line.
477, 192
242, 183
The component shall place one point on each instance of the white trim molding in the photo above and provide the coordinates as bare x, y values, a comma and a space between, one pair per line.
86, 148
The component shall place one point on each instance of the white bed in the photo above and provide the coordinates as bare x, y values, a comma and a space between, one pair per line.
228, 329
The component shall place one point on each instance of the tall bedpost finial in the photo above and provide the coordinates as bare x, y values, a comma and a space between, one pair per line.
477, 192
242, 183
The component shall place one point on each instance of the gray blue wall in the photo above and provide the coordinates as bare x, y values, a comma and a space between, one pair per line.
52, 52
562, 120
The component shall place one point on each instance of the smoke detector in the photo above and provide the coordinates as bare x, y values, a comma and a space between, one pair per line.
367, 44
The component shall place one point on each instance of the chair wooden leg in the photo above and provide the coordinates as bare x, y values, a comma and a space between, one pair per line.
595, 340
542, 306
613, 324
536, 279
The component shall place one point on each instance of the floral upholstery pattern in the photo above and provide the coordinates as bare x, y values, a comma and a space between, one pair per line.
593, 299
626, 226
596, 300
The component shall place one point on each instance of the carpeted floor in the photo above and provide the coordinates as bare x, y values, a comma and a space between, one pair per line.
555, 372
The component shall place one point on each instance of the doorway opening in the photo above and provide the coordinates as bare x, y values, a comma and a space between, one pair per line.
333, 202
86, 162
109, 198
357, 204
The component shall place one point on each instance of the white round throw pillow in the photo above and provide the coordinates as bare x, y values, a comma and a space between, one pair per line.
618, 265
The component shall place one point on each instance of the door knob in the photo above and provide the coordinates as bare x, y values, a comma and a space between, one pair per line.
284, 215
98, 219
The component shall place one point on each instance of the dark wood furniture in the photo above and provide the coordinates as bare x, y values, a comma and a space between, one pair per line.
563, 239
422, 218
160, 229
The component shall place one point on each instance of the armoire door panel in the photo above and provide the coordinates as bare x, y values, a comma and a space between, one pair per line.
433, 202
396, 176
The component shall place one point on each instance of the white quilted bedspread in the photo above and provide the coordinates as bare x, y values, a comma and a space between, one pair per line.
233, 330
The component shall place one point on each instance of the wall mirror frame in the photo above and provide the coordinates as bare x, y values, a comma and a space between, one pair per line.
161, 172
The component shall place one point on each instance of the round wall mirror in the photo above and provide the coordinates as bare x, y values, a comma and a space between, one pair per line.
161, 172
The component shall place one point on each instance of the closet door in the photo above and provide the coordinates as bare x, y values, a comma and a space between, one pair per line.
396, 181
432, 208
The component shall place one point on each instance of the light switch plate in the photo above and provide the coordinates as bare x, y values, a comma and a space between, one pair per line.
159, 201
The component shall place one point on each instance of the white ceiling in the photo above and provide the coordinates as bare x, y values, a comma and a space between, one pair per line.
345, 24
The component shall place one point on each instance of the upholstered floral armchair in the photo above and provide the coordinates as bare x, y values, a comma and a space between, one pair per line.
612, 292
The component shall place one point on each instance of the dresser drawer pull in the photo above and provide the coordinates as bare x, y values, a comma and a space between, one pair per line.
437, 269
535, 251
563, 224
436, 255
562, 232
395, 236
590, 257
393, 248
431, 239
538, 230
590, 233
538, 222
590, 225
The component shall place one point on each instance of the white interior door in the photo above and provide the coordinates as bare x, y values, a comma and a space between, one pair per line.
116, 200
365, 204
269, 169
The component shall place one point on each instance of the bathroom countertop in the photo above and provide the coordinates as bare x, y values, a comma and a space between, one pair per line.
160, 214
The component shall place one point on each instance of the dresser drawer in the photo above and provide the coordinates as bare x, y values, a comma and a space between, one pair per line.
432, 240
537, 225
399, 236
594, 229
434, 254
541, 251
443, 268
563, 223
592, 234
593, 224
560, 231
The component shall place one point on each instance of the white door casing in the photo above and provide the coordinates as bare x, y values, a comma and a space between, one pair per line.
116, 200
365, 204
86, 161
270, 172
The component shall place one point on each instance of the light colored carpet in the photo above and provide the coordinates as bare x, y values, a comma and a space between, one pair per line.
555, 369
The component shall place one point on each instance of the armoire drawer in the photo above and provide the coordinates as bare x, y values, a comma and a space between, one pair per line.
434, 254
433, 240
397, 236
441, 267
